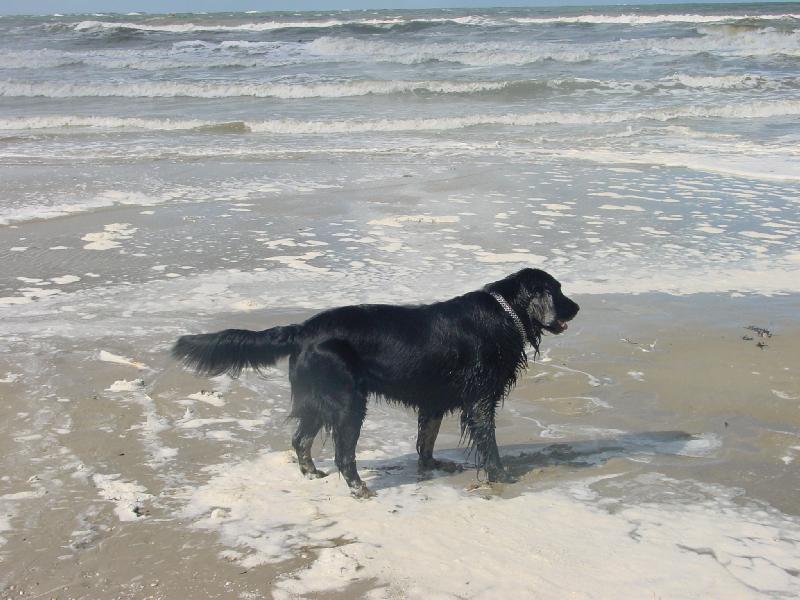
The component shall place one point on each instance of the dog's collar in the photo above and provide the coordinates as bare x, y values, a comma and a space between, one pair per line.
511, 313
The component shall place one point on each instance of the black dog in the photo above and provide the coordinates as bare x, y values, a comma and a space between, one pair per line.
464, 354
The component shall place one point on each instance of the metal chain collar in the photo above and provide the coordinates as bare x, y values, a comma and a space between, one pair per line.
511, 313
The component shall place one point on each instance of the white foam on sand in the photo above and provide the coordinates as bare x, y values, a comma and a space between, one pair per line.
189, 422
629, 207
246, 304
128, 496
213, 398
377, 282
771, 168
5, 524
759, 235
123, 385
784, 395
398, 220
65, 279
531, 545
106, 356
710, 229
110, 237
510, 257
51, 211
152, 424
299, 262
12, 300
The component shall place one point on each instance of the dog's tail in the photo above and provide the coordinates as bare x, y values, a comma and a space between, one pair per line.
233, 350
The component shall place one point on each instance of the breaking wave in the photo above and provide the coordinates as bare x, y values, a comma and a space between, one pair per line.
498, 53
356, 25
352, 88
745, 110
415, 24
633, 19
168, 89
726, 42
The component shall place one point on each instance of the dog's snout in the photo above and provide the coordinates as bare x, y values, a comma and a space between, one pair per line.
572, 309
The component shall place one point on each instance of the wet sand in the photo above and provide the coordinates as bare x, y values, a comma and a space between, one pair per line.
128, 478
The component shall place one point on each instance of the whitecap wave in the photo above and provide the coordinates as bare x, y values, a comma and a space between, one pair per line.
344, 88
744, 110
476, 20
634, 19
496, 53
728, 43
170, 89
93, 26
721, 82
97, 26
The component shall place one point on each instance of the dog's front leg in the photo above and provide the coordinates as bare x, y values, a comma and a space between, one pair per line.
478, 421
426, 438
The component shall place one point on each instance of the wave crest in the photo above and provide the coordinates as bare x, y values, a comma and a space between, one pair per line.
498, 53
748, 110
634, 19
355, 25
412, 24
353, 88
170, 89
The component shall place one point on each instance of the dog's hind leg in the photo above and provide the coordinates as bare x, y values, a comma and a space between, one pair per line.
307, 412
302, 440
345, 437
327, 391
426, 438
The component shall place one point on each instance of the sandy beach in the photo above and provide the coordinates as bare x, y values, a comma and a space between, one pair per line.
177, 174
656, 441
652, 430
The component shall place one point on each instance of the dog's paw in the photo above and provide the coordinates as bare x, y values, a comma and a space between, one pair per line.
501, 476
362, 492
315, 474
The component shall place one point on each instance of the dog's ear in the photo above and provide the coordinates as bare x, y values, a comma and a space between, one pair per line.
541, 307
529, 291
521, 287
529, 283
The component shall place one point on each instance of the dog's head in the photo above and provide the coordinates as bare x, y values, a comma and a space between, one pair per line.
537, 295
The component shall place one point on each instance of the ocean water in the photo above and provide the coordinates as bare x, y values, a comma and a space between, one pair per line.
662, 141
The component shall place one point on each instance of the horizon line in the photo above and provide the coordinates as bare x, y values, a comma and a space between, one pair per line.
378, 8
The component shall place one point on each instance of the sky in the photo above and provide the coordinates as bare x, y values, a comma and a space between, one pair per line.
35, 7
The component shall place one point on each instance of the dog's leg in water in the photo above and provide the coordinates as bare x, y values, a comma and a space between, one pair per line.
478, 420
345, 437
428, 430
302, 440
